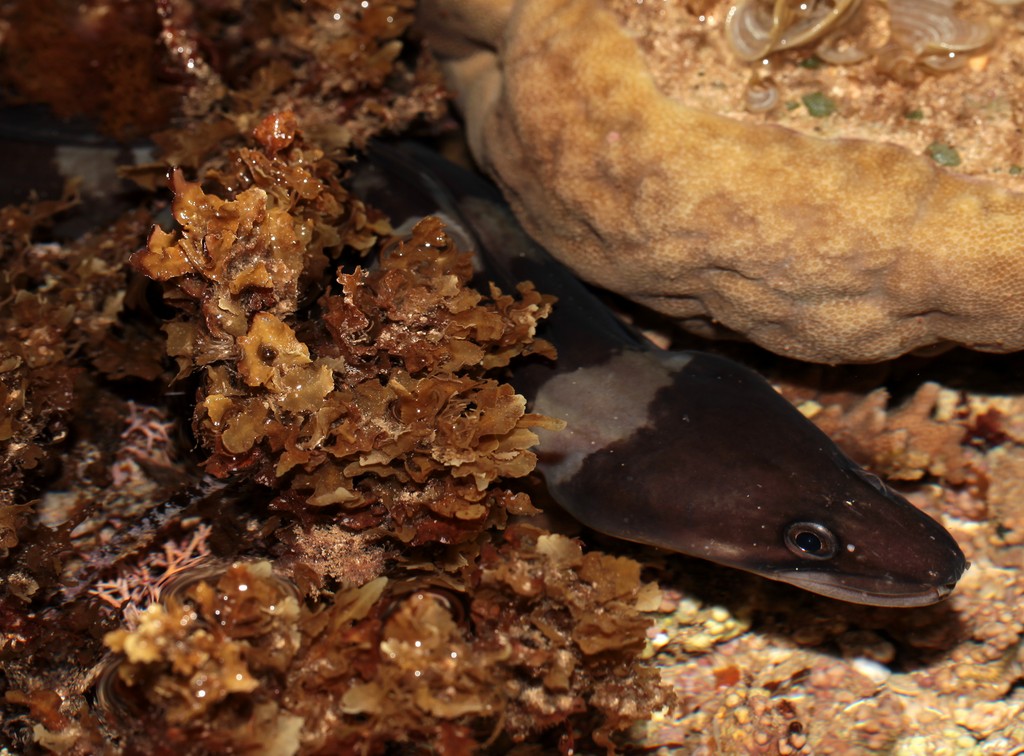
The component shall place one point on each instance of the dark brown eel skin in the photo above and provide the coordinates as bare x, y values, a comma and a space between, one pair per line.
682, 450
686, 451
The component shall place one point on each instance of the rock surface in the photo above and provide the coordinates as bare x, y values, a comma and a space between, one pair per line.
823, 250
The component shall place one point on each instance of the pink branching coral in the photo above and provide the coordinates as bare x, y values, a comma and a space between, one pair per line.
134, 589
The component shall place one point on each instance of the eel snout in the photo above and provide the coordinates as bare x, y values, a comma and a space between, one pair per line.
686, 451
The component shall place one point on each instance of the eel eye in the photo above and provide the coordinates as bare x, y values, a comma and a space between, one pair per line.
809, 539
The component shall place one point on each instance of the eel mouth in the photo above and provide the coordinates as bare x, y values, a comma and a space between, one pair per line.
874, 590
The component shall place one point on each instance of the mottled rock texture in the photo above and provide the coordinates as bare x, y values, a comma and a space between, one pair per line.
825, 250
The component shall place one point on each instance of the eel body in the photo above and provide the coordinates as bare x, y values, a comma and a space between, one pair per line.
682, 450
686, 451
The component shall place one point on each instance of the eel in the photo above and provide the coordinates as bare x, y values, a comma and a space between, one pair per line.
682, 450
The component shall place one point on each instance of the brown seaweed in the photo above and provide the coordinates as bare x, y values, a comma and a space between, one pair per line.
286, 536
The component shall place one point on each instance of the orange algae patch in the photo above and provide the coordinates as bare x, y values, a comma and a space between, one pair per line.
373, 395
60, 52
365, 401
348, 412
494, 654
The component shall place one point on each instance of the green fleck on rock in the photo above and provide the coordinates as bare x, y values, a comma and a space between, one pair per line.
1016, 170
943, 154
812, 62
914, 115
791, 105
818, 105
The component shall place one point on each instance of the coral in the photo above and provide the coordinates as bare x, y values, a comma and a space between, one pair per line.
147, 441
135, 590
826, 250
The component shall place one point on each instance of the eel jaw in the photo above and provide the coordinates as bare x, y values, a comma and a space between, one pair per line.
871, 590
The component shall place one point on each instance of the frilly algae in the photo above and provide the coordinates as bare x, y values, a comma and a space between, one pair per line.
357, 651
383, 402
229, 658
61, 317
275, 526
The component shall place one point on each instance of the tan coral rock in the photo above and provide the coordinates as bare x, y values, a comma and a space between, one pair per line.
825, 250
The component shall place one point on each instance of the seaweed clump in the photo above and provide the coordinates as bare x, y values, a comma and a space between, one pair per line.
60, 323
369, 386
318, 566
344, 68
360, 399
215, 636
61, 52
373, 399
510, 647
